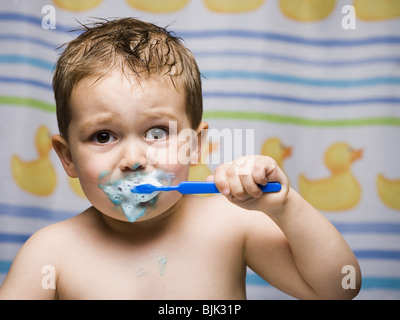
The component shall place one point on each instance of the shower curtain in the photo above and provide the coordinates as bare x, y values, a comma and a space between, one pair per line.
313, 84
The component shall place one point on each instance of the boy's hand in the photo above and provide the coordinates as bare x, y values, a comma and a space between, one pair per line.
238, 182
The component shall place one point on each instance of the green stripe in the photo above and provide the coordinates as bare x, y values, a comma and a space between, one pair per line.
28, 102
260, 116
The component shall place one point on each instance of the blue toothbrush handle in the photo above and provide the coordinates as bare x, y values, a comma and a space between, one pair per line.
194, 187
197, 187
271, 187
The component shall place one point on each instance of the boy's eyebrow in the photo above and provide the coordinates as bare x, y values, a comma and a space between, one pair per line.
98, 120
161, 114
103, 119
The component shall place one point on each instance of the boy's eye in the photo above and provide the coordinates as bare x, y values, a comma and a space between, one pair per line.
156, 134
103, 137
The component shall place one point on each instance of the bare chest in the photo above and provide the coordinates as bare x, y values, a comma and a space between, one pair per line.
190, 267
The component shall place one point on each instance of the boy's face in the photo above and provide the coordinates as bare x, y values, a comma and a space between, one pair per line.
120, 130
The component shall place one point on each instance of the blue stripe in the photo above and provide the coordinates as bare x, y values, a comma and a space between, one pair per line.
11, 237
255, 279
378, 254
33, 20
380, 283
308, 102
22, 38
39, 63
271, 36
31, 82
264, 76
9, 16
296, 60
5, 266
368, 227
34, 212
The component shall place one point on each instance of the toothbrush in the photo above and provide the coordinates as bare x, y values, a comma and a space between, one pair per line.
195, 187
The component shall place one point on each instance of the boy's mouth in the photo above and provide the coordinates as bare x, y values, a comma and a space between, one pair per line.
134, 205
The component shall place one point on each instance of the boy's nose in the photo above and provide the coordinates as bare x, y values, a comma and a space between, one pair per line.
133, 158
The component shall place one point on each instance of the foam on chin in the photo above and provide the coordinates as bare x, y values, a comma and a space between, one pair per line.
134, 205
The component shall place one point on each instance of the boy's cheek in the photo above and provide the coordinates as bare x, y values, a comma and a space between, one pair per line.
89, 170
89, 182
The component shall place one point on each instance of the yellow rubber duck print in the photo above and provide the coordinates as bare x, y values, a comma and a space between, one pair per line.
77, 5
232, 6
158, 6
38, 176
372, 10
389, 191
307, 10
340, 191
274, 148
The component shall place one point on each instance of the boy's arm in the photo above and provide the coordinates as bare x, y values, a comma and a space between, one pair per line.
301, 253
32, 274
305, 258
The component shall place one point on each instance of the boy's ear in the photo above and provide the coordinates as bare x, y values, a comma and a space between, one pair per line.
61, 147
201, 132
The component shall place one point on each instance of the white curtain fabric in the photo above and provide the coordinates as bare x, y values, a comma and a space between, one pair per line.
314, 84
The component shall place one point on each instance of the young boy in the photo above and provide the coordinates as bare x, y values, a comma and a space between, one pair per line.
119, 87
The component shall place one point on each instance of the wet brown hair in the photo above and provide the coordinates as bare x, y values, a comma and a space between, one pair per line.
129, 44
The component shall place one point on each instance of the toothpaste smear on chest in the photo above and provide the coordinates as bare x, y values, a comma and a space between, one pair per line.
134, 205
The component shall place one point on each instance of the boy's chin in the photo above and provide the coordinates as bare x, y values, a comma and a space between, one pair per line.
147, 212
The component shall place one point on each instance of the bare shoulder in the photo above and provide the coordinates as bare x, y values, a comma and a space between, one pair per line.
45, 249
53, 237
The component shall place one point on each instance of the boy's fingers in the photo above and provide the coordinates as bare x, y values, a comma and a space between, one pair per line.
251, 172
240, 179
250, 186
221, 181
259, 174
235, 183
